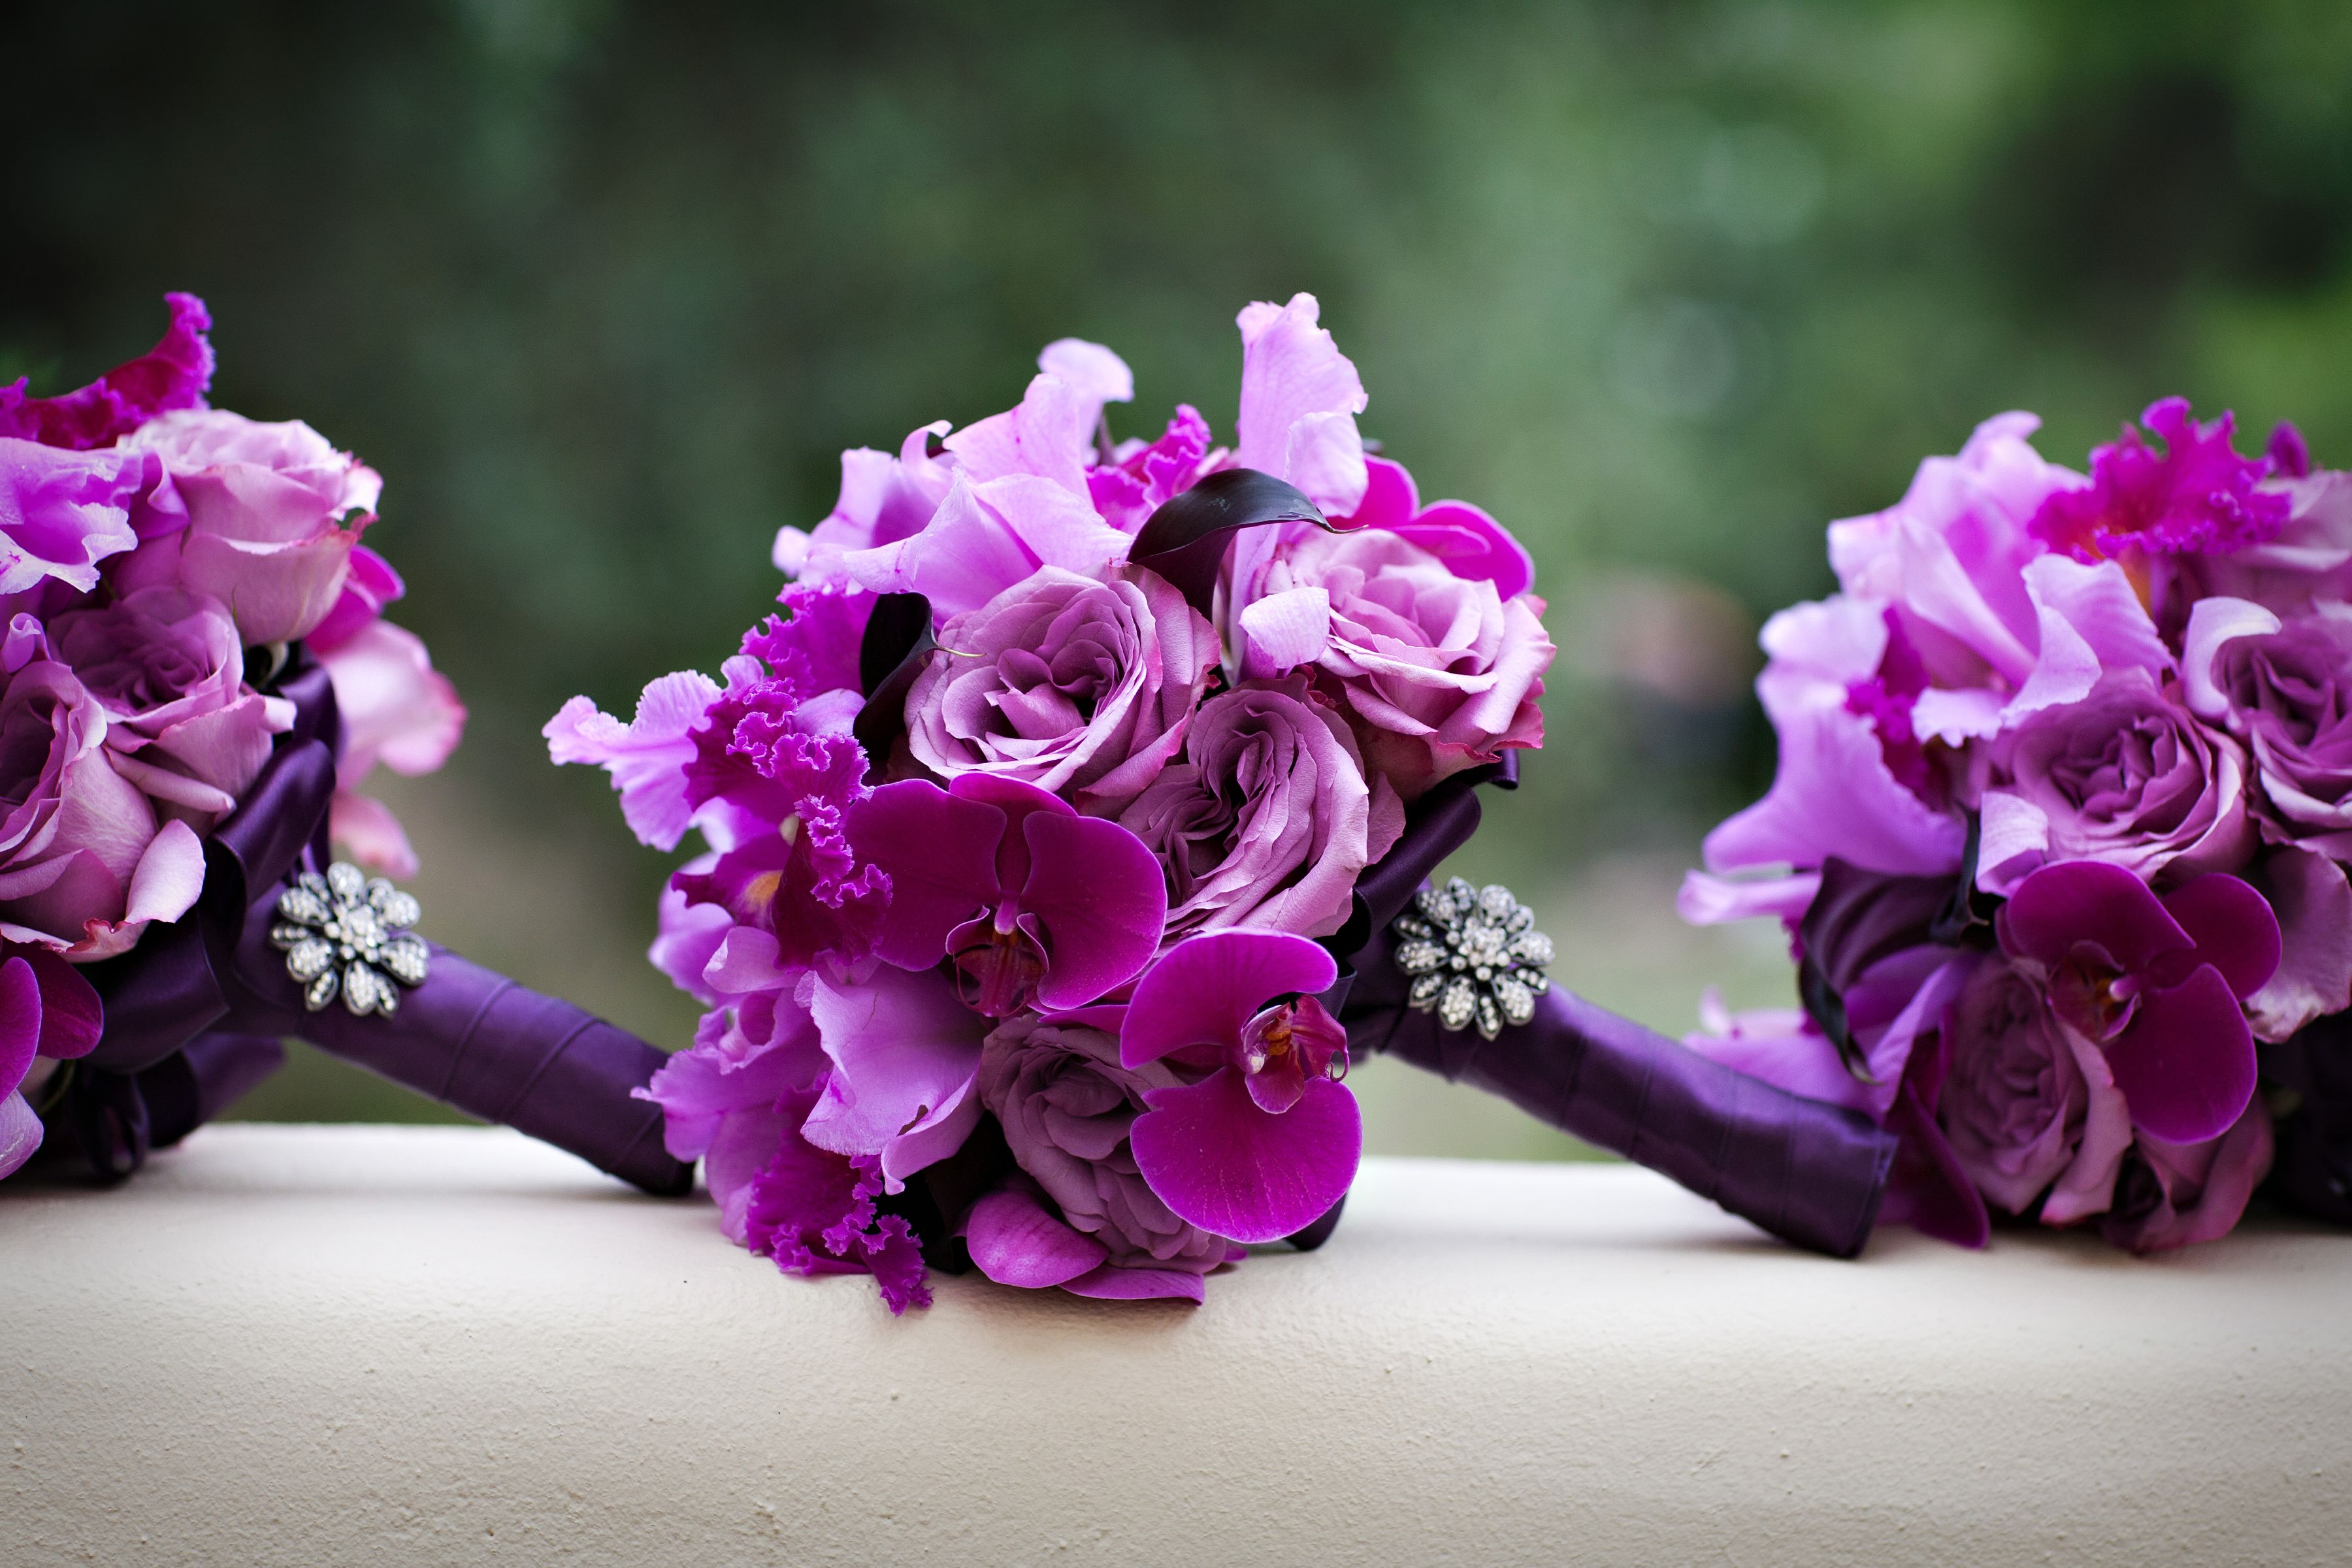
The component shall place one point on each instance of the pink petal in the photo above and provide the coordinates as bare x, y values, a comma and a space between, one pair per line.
1015, 1241
366, 828
1390, 499
170, 875
1220, 1162
2213, 623
2232, 927
903, 1048
2186, 1061
1474, 545
939, 853
1113, 1283
1103, 898
20, 1133
647, 757
2061, 905
1285, 630
1299, 398
1206, 987
20, 1022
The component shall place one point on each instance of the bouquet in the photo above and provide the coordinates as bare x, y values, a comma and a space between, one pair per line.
1068, 831
2058, 832
195, 680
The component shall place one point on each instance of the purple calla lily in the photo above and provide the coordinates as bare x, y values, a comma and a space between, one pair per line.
1034, 904
2156, 983
1269, 1140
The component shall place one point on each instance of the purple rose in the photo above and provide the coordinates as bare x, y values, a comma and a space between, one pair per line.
2125, 776
2027, 1101
167, 667
1439, 673
83, 865
1267, 821
2286, 688
1077, 686
2172, 1195
266, 507
1066, 1105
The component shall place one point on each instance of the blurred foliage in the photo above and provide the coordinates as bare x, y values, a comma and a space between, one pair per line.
603, 290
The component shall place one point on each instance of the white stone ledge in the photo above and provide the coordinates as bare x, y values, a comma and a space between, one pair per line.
319, 1345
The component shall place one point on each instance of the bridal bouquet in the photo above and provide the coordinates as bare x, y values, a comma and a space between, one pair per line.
1068, 829
2059, 831
195, 678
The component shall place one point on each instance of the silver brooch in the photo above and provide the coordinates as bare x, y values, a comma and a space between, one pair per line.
346, 931
1473, 956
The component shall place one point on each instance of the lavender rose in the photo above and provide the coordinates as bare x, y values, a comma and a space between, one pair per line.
2286, 689
1066, 1105
265, 506
1065, 682
1268, 820
2175, 1194
83, 864
1439, 673
2027, 1103
2125, 776
167, 667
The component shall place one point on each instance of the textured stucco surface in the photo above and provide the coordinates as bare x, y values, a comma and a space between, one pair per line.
312, 1346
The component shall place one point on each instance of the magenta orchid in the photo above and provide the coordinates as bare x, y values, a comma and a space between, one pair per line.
2196, 495
2156, 982
1269, 1139
1031, 903
47, 1011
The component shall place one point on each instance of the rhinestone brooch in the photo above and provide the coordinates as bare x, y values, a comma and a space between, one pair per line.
348, 932
1474, 956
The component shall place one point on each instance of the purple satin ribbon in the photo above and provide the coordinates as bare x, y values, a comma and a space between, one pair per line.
2311, 1170
194, 1014
1809, 1172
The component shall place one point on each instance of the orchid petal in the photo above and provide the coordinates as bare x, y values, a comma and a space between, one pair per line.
2186, 1062
1206, 987
1474, 545
2232, 927
1220, 1162
939, 853
646, 757
903, 1048
1103, 898
1390, 499
2059, 905
71, 1015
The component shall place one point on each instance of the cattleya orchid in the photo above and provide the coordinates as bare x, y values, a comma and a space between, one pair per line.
1269, 1139
1031, 903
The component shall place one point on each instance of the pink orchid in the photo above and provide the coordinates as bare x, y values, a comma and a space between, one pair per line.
1033, 904
1269, 1139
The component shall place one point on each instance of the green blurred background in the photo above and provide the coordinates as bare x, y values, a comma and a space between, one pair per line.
603, 290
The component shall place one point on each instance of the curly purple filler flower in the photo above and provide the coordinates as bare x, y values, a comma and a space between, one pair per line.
2157, 983
1033, 904
176, 374
1270, 1139
2195, 495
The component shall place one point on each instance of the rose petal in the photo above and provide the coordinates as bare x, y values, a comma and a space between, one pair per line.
1015, 1241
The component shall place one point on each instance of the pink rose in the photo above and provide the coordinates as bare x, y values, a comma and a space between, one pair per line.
266, 507
83, 865
1438, 673
168, 668
1077, 686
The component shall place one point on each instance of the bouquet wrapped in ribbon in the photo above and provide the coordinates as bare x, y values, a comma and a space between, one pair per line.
1069, 831
2059, 830
195, 678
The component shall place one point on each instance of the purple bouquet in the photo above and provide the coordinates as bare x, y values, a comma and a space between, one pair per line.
1069, 829
195, 679
2059, 831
